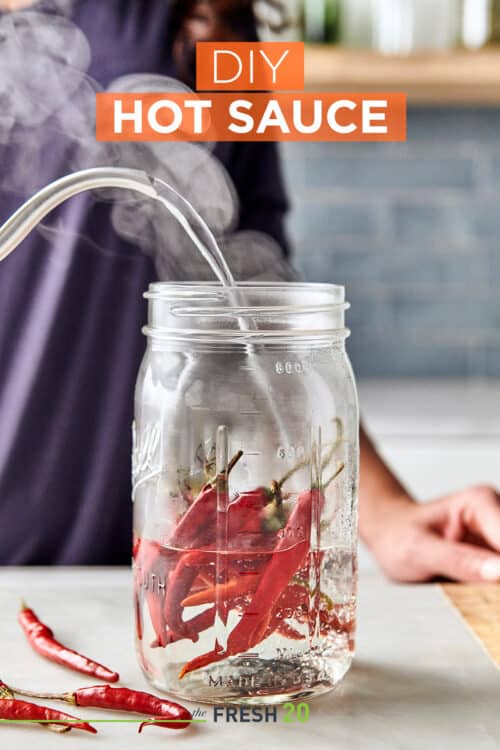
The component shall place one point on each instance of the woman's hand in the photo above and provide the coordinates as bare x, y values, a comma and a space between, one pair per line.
456, 537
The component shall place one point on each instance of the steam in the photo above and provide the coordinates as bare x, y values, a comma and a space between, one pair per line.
47, 129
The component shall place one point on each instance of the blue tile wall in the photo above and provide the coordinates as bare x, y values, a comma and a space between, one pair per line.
413, 231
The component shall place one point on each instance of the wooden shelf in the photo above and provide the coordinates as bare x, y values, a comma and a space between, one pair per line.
459, 77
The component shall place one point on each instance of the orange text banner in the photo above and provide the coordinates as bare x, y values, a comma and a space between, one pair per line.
250, 66
251, 117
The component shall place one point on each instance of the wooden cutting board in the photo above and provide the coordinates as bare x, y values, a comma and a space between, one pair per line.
479, 606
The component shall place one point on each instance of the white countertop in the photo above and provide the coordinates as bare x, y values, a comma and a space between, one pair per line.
420, 680
456, 409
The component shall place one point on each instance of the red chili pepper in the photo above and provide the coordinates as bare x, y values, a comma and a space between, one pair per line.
288, 631
42, 640
247, 523
243, 516
197, 625
286, 560
200, 516
330, 621
153, 566
290, 604
138, 615
201, 513
180, 583
22, 711
171, 715
235, 587
181, 580
245, 512
7, 694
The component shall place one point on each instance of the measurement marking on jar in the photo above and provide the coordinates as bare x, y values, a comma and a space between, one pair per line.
291, 451
291, 368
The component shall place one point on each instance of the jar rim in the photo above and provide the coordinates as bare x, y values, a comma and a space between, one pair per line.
263, 310
213, 290
164, 289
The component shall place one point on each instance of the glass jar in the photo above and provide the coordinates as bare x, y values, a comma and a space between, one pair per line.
245, 474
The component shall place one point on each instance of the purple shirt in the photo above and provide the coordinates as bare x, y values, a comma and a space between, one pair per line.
70, 331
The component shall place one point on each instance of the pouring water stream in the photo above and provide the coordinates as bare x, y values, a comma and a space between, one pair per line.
31, 213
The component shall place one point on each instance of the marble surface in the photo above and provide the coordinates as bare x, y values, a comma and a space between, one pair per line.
451, 409
420, 680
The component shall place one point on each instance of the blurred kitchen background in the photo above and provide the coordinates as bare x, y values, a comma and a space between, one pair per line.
413, 229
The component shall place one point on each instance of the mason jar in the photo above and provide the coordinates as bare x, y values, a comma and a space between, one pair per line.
245, 470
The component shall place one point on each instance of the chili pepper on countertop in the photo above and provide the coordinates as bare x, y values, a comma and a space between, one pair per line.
168, 714
23, 712
42, 639
7, 694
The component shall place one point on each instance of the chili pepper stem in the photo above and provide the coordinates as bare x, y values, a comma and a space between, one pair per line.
66, 697
58, 728
277, 495
336, 444
232, 463
6, 693
340, 469
326, 460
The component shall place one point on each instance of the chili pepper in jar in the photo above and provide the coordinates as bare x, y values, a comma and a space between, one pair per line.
243, 584
41, 638
197, 625
153, 565
186, 571
157, 564
180, 583
167, 713
202, 512
251, 517
13, 710
233, 594
288, 557
243, 517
